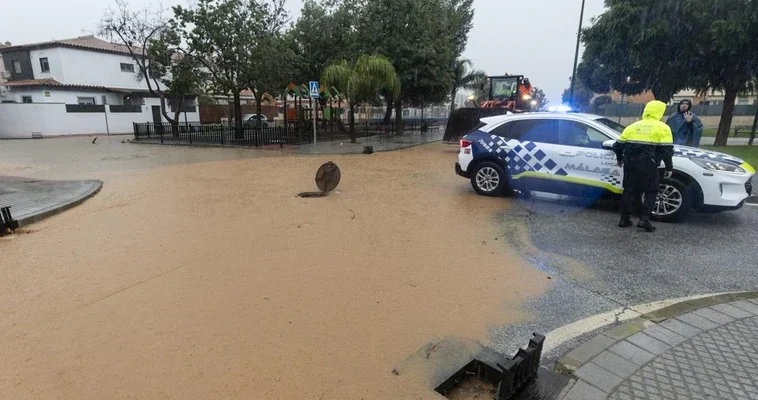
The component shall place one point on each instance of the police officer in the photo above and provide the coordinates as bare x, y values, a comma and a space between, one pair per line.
640, 150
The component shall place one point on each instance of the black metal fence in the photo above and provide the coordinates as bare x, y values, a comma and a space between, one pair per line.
277, 132
195, 133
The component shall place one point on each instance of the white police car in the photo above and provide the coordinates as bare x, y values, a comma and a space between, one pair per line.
567, 153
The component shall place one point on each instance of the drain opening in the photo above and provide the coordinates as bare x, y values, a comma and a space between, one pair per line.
308, 195
327, 178
491, 369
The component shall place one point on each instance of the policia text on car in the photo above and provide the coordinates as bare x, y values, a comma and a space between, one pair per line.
640, 150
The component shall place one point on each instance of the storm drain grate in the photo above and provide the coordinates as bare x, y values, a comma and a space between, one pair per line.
509, 376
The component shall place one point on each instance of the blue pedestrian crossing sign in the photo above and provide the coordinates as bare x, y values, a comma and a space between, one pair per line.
314, 89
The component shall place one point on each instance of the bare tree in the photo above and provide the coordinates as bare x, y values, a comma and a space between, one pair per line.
153, 46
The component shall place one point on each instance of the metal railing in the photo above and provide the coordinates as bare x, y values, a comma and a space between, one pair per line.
195, 133
277, 132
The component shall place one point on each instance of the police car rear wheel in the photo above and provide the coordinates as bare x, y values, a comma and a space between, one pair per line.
673, 202
489, 179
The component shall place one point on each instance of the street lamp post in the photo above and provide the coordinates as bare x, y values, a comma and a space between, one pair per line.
576, 56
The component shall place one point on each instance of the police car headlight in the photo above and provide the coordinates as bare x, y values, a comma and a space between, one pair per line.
712, 165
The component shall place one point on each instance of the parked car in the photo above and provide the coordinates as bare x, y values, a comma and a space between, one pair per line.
568, 153
251, 120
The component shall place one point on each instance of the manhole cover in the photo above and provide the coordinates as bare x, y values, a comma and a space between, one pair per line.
328, 177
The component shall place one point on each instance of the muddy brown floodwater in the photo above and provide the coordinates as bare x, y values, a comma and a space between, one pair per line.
212, 280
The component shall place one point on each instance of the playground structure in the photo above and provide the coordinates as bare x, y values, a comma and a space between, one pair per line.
299, 117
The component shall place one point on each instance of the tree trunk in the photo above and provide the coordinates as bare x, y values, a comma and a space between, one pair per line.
755, 124
726, 117
399, 117
452, 99
238, 131
388, 113
353, 138
258, 109
175, 122
286, 124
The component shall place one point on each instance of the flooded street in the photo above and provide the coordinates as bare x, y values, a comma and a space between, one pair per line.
199, 274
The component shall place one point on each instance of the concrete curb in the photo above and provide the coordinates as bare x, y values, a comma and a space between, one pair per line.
59, 208
752, 200
596, 363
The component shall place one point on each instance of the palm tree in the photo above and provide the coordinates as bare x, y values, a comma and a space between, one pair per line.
360, 81
465, 79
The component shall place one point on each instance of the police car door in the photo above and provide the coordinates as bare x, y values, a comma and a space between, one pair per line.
586, 167
530, 160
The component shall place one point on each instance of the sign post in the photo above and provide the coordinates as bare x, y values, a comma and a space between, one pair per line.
313, 85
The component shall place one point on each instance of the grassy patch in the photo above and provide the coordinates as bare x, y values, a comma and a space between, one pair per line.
747, 153
709, 132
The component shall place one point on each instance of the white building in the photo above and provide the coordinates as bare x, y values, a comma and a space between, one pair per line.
4, 75
76, 86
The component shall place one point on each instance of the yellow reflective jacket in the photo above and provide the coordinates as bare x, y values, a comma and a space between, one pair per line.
647, 139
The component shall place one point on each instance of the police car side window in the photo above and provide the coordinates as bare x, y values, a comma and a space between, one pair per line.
536, 130
504, 131
573, 133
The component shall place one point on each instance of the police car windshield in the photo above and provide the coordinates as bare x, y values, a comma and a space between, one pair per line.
612, 124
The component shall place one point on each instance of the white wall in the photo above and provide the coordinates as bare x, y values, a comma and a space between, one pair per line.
54, 60
83, 67
61, 96
51, 119
2, 69
22, 120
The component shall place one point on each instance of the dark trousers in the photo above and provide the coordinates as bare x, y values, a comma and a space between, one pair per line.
640, 176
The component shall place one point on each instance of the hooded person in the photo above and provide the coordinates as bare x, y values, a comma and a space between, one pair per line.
685, 126
639, 150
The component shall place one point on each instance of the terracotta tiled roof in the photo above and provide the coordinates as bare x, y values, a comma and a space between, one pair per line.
84, 42
49, 82
34, 82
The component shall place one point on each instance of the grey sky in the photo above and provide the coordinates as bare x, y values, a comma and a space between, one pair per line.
535, 38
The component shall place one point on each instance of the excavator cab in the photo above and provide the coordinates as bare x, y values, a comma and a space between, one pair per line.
503, 87
505, 94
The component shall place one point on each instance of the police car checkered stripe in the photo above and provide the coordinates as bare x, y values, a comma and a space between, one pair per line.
613, 180
691, 152
522, 156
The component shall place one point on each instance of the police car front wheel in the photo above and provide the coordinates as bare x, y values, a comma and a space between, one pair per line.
673, 202
489, 179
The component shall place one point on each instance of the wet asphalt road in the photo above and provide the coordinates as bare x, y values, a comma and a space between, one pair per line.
597, 267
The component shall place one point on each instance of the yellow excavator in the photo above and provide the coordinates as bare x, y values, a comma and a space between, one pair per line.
505, 94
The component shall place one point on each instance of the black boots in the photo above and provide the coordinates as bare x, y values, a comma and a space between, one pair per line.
646, 225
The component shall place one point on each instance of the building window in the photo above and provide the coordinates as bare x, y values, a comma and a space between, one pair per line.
44, 65
127, 67
85, 100
26, 99
16, 66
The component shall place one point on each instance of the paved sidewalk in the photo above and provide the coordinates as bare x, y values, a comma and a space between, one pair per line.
703, 349
33, 200
377, 142
732, 141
